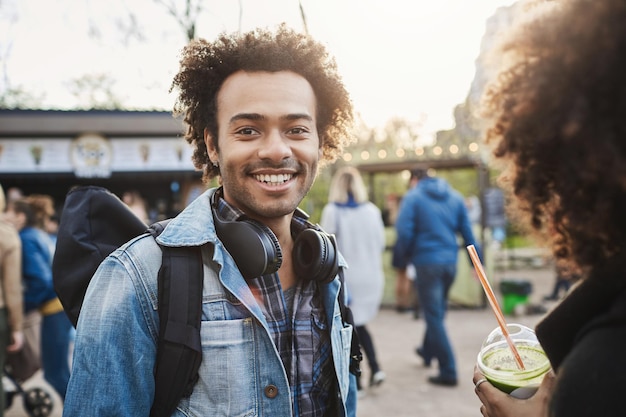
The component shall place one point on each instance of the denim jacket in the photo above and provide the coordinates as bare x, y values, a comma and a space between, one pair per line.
117, 332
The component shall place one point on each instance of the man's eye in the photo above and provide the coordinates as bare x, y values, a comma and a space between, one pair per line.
246, 131
298, 131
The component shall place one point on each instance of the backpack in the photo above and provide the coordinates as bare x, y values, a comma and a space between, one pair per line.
94, 223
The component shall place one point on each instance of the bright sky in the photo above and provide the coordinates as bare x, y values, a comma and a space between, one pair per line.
408, 58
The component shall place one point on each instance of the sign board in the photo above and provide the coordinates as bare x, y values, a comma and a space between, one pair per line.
93, 155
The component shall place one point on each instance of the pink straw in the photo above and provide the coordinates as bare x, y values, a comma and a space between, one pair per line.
478, 266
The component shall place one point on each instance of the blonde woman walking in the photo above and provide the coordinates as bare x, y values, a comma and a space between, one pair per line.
358, 226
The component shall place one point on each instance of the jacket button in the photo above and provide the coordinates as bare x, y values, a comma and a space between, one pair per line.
271, 391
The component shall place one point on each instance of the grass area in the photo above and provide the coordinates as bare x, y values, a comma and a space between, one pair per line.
518, 241
389, 296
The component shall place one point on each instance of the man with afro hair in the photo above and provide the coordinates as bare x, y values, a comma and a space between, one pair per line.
263, 111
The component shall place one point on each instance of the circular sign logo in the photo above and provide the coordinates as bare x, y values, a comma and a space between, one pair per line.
91, 156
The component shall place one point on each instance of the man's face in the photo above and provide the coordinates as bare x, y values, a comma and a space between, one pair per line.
269, 147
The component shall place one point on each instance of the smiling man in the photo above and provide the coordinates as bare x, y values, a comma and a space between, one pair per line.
263, 111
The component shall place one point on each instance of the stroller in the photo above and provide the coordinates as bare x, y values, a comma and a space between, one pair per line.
21, 366
37, 401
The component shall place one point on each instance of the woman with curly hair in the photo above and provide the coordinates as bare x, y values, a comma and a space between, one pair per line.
262, 111
557, 118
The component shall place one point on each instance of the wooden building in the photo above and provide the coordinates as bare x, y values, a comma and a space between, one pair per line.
51, 151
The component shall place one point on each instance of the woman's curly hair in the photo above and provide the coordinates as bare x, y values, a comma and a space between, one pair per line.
205, 65
557, 118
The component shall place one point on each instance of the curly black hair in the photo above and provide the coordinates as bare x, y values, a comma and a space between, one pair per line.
557, 117
205, 65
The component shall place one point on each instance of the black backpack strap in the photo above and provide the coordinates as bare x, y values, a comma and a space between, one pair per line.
179, 351
355, 348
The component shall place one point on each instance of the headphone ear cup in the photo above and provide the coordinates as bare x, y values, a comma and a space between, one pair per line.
315, 256
253, 246
268, 254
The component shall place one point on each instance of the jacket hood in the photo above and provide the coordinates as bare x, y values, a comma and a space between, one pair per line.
437, 188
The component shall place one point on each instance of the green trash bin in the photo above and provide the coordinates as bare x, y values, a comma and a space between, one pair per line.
514, 293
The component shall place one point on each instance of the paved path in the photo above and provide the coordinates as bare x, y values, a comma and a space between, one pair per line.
406, 391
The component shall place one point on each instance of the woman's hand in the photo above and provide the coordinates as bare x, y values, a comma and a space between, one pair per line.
499, 404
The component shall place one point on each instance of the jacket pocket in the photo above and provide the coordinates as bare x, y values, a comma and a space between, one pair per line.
226, 386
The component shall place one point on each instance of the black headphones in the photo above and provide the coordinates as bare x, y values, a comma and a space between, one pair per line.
256, 250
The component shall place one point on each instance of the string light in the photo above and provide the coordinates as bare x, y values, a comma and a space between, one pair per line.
452, 151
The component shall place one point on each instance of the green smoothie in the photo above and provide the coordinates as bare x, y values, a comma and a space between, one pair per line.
500, 368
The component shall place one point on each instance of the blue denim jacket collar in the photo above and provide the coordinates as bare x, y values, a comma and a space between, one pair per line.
186, 230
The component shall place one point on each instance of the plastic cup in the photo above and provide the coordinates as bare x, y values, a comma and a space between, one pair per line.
497, 363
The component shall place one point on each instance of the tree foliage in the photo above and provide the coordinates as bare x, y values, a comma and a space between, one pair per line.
186, 17
95, 91
19, 98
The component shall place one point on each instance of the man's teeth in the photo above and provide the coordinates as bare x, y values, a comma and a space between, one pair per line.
274, 178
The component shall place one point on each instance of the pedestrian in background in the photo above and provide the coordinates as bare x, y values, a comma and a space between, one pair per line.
11, 303
358, 225
30, 215
135, 201
566, 275
406, 297
432, 215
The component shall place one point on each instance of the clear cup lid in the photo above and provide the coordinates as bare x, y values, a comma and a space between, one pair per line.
517, 332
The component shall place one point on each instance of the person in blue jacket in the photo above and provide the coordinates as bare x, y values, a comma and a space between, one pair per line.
431, 217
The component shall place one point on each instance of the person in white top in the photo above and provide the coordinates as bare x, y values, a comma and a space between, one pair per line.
358, 226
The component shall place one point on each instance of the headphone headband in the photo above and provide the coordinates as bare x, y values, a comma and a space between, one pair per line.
256, 251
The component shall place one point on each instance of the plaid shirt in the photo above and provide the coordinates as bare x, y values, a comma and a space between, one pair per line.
299, 332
